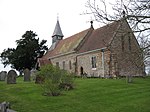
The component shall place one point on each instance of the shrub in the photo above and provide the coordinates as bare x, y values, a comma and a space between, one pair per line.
67, 80
55, 80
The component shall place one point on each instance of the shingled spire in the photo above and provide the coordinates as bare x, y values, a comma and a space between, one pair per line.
57, 34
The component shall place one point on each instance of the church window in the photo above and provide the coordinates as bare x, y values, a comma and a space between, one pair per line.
93, 62
129, 43
122, 43
57, 64
64, 65
70, 65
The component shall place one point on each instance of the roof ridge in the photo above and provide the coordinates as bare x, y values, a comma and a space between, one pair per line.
74, 34
115, 32
120, 23
84, 39
99, 38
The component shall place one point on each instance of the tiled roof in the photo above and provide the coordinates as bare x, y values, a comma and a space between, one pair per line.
43, 61
67, 45
85, 41
100, 37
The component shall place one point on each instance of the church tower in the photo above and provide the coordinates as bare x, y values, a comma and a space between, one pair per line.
57, 34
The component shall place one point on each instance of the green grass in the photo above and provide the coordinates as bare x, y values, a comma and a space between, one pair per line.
89, 95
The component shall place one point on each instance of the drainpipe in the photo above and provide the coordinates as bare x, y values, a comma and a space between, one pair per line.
103, 62
76, 68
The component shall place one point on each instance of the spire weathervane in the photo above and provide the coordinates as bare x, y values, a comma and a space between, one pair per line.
57, 16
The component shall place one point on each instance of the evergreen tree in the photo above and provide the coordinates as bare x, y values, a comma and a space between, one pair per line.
26, 53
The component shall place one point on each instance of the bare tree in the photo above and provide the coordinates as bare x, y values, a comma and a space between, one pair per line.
136, 12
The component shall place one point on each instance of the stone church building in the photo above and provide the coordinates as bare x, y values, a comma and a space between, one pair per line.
108, 51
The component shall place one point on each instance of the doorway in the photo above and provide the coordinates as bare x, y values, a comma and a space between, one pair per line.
81, 71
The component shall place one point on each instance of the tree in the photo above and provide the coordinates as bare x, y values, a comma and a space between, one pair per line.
136, 12
6, 56
26, 53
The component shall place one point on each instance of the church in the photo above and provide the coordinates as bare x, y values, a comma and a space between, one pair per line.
108, 51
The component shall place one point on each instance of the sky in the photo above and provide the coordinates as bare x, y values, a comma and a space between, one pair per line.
40, 16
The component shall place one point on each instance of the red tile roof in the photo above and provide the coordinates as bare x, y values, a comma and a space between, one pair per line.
42, 61
100, 37
85, 41
67, 45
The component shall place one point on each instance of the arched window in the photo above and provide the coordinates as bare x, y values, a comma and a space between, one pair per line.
129, 43
70, 65
93, 59
122, 42
64, 65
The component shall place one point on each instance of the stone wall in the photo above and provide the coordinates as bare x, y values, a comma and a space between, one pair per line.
126, 51
101, 70
84, 60
69, 60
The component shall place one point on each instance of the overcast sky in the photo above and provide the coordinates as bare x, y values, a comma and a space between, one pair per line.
40, 16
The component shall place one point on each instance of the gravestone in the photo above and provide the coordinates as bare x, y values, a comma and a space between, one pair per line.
129, 79
26, 74
11, 77
3, 75
5, 107
33, 74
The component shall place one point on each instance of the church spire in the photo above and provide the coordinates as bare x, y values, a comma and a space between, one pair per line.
57, 35
57, 31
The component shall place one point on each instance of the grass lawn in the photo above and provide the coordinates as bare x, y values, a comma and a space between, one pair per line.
89, 95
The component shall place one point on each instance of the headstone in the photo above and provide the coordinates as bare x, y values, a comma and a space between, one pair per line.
11, 77
26, 74
129, 79
33, 74
3, 75
5, 107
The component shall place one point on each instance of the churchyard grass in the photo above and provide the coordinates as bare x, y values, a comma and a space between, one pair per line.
89, 95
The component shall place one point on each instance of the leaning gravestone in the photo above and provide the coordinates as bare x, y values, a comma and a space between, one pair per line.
3, 75
11, 77
26, 74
